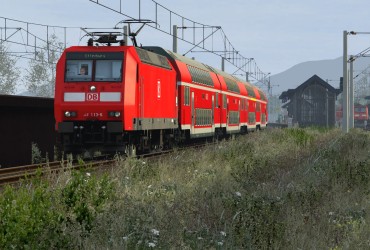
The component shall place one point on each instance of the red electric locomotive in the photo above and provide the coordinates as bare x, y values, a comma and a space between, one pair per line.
361, 115
126, 97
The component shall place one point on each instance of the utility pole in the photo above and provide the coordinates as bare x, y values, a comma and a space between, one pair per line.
345, 85
351, 105
174, 36
327, 108
348, 93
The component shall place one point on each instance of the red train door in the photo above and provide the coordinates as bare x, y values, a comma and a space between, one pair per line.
224, 111
192, 113
239, 112
141, 99
212, 115
227, 112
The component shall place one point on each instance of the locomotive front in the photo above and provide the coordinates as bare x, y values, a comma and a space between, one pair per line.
114, 98
89, 97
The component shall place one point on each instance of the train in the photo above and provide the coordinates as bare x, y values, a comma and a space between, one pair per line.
361, 115
116, 97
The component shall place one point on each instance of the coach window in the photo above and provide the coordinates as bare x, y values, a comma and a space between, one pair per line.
217, 100
187, 96
224, 100
258, 107
108, 70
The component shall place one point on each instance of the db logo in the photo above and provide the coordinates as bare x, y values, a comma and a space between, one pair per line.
92, 97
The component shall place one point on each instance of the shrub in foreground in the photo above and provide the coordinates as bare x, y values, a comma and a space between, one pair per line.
38, 215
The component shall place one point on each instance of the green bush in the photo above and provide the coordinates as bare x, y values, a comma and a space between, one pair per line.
28, 219
39, 216
84, 196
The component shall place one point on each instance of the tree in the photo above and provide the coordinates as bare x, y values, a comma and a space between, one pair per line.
9, 73
40, 79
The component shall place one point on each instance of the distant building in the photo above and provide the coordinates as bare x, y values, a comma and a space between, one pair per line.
312, 103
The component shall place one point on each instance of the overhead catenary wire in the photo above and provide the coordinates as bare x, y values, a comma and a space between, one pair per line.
235, 58
208, 33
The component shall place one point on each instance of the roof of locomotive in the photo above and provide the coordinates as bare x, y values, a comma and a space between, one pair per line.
85, 48
175, 56
153, 58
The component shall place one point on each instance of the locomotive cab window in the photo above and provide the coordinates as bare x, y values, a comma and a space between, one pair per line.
78, 70
108, 70
85, 66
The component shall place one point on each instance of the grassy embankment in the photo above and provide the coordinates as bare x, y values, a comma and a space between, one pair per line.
280, 189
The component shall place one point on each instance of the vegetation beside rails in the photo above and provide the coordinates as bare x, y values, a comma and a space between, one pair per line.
280, 189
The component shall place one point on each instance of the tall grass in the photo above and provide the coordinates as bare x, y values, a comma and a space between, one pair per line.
280, 189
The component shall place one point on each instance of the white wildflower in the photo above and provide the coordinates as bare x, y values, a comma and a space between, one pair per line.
220, 243
200, 238
155, 232
151, 244
331, 213
88, 174
223, 233
125, 238
238, 194
150, 186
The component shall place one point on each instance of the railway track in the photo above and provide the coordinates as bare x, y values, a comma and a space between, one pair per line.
14, 175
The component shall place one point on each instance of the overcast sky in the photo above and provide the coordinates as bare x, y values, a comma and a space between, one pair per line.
277, 33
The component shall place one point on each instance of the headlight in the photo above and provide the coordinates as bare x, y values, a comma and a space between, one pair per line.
70, 114
114, 114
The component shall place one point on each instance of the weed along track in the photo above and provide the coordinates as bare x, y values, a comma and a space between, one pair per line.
13, 175
281, 189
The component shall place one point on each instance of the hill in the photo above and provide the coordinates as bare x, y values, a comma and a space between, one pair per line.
329, 70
